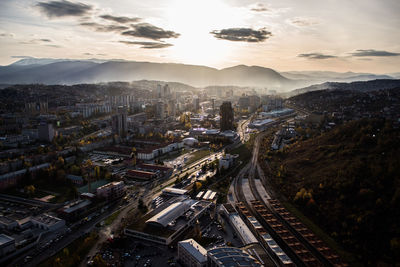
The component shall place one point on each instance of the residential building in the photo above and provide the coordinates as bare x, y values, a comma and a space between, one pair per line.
226, 112
111, 190
46, 132
191, 253
119, 125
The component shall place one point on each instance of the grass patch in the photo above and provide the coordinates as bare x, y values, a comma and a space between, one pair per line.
347, 257
111, 218
195, 156
74, 253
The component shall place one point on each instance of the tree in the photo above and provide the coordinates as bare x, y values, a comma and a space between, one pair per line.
30, 190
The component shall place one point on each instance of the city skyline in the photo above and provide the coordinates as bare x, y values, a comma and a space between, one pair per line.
359, 36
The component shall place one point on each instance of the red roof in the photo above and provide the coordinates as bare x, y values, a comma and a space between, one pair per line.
140, 174
154, 167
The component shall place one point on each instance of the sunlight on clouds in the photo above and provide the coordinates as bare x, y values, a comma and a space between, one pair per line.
195, 20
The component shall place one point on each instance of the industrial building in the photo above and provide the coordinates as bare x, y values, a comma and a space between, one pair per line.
191, 253
165, 224
170, 191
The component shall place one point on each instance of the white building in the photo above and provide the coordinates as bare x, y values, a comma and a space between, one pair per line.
227, 161
191, 253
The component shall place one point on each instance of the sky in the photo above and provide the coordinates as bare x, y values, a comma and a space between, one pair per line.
286, 35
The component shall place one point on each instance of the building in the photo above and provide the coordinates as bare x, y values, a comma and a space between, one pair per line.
74, 209
226, 112
254, 102
141, 176
244, 102
170, 191
36, 107
48, 222
230, 256
165, 225
160, 170
75, 179
191, 253
7, 245
227, 161
111, 190
196, 103
172, 108
160, 110
119, 125
46, 132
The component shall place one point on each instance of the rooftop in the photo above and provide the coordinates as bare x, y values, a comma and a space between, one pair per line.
230, 256
242, 228
195, 249
46, 219
4, 239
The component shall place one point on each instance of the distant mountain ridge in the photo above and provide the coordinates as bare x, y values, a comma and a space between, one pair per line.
364, 86
72, 71
49, 71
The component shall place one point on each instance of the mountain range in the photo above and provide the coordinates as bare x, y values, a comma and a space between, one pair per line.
70, 71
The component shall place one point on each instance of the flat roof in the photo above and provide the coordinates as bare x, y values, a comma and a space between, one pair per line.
46, 219
76, 206
195, 249
242, 229
176, 191
4, 239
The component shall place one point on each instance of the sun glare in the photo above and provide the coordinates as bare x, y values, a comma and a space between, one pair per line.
195, 20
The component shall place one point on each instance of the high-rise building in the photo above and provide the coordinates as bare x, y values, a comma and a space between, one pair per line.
119, 125
46, 132
171, 108
213, 105
196, 103
167, 91
37, 107
226, 112
160, 110
244, 102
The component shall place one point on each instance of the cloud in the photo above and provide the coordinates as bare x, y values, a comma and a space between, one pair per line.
373, 53
242, 35
21, 57
259, 7
303, 22
146, 30
37, 41
148, 45
120, 19
63, 8
316, 56
104, 28
6, 34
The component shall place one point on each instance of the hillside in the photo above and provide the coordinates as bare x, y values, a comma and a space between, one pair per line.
364, 86
49, 71
347, 181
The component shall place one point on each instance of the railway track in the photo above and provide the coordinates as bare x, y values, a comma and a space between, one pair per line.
299, 243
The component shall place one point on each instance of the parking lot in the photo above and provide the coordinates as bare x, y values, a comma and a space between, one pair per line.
131, 252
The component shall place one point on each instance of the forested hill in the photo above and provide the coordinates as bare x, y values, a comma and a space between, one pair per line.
348, 182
